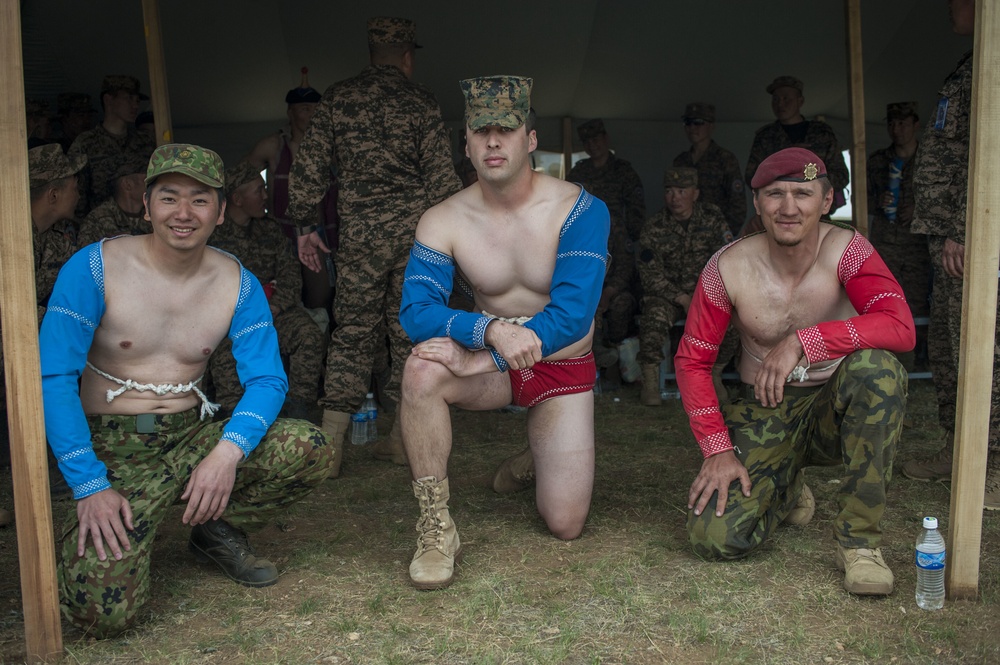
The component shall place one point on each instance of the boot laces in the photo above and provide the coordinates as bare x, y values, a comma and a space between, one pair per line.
430, 527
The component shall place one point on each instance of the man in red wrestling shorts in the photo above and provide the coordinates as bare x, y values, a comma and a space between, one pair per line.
534, 251
819, 316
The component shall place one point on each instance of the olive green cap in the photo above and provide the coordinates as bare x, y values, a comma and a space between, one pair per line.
202, 164
680, 176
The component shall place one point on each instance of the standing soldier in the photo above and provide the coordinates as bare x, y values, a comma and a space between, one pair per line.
386, 135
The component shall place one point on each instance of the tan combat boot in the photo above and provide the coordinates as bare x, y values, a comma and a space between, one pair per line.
438, 546
335, 423
804, 509
650, 395
391, 449
865, 571
935, 467
515, 473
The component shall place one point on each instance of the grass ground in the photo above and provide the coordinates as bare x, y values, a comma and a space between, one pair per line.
627, 591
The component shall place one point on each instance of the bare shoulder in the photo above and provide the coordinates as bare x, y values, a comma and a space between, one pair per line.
266, 151
437, 225
560, 192
738, 255
219, 265
834, 242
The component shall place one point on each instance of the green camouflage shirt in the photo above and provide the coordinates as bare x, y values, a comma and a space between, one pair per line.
819, 138
107, 221
619, 186
105, 153
720, 181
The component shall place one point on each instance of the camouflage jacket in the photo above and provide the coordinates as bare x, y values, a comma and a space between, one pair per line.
673, 253
52, 248
107, 221
881, 229
819, 138
386, 137
619, 186
621, 271
105, 152
720, 181
263, 250
941, 172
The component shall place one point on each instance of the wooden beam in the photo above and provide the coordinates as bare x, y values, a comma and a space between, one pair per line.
19, 318
982, 258
159, 96
856, 90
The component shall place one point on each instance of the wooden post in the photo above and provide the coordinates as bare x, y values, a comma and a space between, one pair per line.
159, 96
567, 127
982, 257
19, 315
856, 89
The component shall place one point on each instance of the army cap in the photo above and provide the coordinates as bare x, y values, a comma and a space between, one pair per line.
240, 175
391, 30
699, 111
115, 82
784, 82
790, 165
73, 102
202, 164
496, 101
680, 176
591, 129
901, 110
132, 164
48, 162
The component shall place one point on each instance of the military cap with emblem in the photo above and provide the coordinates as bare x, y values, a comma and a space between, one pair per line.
591, 129
391, 30
48, 162
699, 111
785, 82
496, 101
202, 164
680, 176
304, 94
73, 102
789, 165
120, 82
241, 174
901, 110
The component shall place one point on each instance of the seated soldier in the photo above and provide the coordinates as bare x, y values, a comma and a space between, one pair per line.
122, 214
128, 332
819, 316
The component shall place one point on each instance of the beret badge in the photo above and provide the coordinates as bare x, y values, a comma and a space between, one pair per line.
810, 172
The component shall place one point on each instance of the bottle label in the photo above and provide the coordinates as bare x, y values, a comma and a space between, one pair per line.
928, 561
373, 414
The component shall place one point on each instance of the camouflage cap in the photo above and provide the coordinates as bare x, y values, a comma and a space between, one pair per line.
591, 129
785, 82
391, 30
74, 102
791, 165
48, 162
900, 110
680, 176
699, 111
132, 164
114, 82
496, 101
36, 108
199, 163
241, 174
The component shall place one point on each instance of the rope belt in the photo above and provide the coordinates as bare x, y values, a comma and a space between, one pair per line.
208, 408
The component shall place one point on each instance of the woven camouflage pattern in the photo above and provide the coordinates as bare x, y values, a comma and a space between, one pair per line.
151, 470
202, 164
619, 186
672, 254
107, 221
819, 138
699, 111
105, 153
122, 83
785, 82
901, 110
48, 162
242, 174
391, 30
496, 101
680, 176
720, 181
855, 419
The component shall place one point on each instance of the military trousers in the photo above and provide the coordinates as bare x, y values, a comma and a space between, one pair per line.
855, 419
150, 469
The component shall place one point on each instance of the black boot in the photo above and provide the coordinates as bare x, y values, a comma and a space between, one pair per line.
229, 548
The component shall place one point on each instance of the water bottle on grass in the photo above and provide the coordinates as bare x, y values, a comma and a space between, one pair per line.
370, 407
359, 428
930, 566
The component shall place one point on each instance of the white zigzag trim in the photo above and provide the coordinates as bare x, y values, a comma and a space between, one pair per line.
238, 439
584, 254
250, 329
709, 410
582, 204
425, 278
425, 253
875, 299
73, 315
700, 343
251, 414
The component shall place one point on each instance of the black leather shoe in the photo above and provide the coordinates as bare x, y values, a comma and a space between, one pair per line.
228, 547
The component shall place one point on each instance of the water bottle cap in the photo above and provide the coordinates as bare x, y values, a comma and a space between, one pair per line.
370, 396
930, 523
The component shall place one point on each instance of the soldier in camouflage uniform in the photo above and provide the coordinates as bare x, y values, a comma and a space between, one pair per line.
674, 246
75, 115
905, 253
255, 238
151, 308
794, 293
110, 143
720, 180
122, 214
792, 129
386, 135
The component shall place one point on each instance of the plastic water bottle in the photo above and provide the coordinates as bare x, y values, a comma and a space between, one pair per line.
895, 178
370, 407
930, 566
359, 428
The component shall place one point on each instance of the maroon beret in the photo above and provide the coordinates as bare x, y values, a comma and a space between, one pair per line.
790, 164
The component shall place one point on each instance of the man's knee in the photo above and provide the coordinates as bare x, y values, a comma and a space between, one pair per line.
717, 538
101, 606
879, 369
565, 526
424, 378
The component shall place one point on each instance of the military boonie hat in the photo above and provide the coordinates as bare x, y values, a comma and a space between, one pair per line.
392, 30
591, 129
73, 102
304, 94
240, 175
699, 111
791, 165
48, 162
202, 164
900, 110
680, 176
115, 82
785, 82
496, 101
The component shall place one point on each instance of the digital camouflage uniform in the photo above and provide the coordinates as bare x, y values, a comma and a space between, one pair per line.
263, 250
109, 220
105, 153
387, 137
720, 182
619, 186
620, 280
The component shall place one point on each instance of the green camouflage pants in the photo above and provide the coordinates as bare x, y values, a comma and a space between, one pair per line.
151, 470
854, 419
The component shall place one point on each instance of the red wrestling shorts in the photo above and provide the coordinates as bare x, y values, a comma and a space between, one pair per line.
552, 378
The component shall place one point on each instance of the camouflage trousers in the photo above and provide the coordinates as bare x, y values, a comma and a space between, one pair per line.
299, 339
855, 419
657, 318
151, 470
